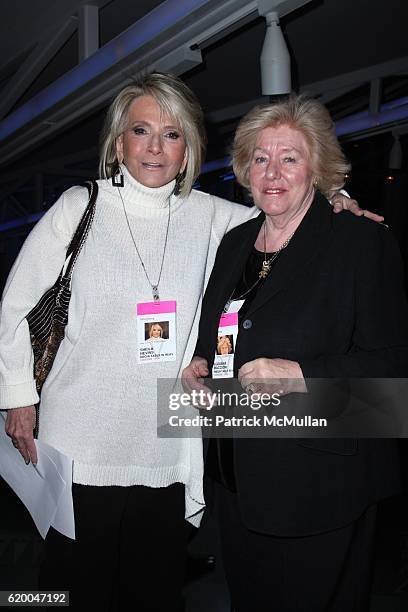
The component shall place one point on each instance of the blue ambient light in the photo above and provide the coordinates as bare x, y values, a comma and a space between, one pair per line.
143, 31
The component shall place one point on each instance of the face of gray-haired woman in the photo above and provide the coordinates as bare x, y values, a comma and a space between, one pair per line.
280, 173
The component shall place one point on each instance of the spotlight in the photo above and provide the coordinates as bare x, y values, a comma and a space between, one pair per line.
275, 59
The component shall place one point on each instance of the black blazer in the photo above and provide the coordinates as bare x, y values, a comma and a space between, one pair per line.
335, 303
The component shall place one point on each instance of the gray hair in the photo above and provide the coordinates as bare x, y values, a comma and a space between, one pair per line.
177, 101
309, 117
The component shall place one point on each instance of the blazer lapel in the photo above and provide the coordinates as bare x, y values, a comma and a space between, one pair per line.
237, 258
312, 235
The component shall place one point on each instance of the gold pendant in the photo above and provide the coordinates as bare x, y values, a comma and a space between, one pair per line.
265, 269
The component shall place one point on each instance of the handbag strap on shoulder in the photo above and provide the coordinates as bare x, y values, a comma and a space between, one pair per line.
82, 230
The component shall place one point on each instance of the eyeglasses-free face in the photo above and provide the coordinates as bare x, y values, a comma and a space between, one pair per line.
152, 146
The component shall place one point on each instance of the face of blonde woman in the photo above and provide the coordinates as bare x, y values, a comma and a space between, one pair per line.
155, 331
280, 172
152, 146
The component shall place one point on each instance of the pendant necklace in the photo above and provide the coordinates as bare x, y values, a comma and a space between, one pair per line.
154, 286
263, 272
267, 263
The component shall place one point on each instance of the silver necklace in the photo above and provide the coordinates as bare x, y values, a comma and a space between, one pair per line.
264, 271
154, 286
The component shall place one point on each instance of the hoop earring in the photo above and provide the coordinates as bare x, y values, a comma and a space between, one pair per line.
118, 178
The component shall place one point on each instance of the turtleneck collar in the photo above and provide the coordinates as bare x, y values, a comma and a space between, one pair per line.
140, 196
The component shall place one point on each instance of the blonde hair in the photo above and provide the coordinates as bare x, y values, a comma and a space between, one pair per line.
155, 325
177, 101
310, 118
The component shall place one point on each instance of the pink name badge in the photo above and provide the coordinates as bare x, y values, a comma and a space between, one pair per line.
149, 308
227, 336
156, 331
228, 319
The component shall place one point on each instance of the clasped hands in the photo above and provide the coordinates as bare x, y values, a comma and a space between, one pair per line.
270, 376
260, 376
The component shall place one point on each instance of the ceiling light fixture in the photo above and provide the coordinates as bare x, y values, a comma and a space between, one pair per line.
275, 59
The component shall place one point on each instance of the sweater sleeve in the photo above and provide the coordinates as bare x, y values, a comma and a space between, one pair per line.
228, 215
35, 270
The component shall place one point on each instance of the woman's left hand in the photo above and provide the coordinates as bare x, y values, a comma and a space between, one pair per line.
341, 202
270, 376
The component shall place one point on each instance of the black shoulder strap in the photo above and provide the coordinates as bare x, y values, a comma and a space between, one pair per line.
83, 228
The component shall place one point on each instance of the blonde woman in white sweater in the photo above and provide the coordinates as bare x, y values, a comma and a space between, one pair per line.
132, 491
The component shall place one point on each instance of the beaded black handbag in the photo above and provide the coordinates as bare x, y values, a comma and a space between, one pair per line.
49, 317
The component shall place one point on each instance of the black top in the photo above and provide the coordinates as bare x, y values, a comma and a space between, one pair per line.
335, 304
220, 458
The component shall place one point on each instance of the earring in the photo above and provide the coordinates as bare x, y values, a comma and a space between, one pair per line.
315, 183
117, 178
180, 178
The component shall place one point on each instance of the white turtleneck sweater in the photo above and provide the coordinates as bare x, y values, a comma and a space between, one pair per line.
98, 405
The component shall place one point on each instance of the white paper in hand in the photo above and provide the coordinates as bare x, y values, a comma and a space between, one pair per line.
45, 489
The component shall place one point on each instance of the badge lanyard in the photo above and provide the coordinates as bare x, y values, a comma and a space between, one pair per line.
156, 321
154, 286
227, 337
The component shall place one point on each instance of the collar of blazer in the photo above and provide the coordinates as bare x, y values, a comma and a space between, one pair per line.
310, 239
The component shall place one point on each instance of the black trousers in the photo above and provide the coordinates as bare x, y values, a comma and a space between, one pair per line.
327, 572
129, 552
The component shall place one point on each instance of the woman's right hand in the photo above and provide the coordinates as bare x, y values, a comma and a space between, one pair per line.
192, 380
20, 424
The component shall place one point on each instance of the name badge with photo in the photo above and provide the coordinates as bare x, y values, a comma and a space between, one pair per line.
227, 337
156, 331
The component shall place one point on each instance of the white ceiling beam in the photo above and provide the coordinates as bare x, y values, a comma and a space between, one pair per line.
358, 77
243, 15
41, 55
167, 51
223, 26
100, 90
327, 90
88, 30
282, 7
43, 26
179, 61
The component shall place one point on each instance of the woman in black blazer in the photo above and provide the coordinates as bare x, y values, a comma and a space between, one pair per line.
322, 297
